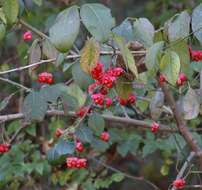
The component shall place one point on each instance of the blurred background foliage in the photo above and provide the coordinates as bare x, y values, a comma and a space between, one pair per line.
13, 53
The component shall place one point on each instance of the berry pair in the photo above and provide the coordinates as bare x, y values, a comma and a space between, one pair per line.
130, 100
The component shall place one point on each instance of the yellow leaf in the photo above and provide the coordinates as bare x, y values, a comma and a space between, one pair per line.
89, 55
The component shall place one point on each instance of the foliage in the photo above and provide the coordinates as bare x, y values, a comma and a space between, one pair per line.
71, 43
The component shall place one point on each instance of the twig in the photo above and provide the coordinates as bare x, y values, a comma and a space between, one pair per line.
181, 124
33, 29
123, 173
67, 57
15, 84
121, 120
184, 167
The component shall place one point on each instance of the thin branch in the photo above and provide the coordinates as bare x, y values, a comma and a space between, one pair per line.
123, 173
184, 167
33, 29
121, 120
181, 124
67, 57
15, 84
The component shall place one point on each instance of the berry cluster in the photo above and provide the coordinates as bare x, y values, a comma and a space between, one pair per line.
27, 36
45, 77
104, 80
104, 136
4, 148
74, 162
154, 127
196, 55
179, 183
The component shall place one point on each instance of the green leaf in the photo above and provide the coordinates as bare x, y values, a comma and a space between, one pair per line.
182, 49
84, 134
148, 149
123, 88
98, 20
127, 55
76, 92
179, 26
38, 2
60, 59
144, 31
65, 30
49, 50
80, 77
70, 103
96, 123
99, 145
39, 168
11, 10
34, 107
89, 55
125, 30
197, 22
64, 147
2, 31
170, 66
196, 65
53, 92
165, 170
156, 104
153, 56
131, 144
34, 54
190, 105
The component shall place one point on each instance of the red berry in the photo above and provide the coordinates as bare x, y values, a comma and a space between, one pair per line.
82, 111
179, 183
27, 36
182, 77
104, 136
131, 99
79, 146
74, 162
122, 101
196, 55
162, 79
104, 91
107, 80
58, 132
45, 77
118, 71
92, 87
108, 102
97, 71
4, 148
98, 99
154, 127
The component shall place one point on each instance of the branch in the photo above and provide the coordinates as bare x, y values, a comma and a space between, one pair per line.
184, 167
15, 84
181, 124
67, 57
123, 173
33, 29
